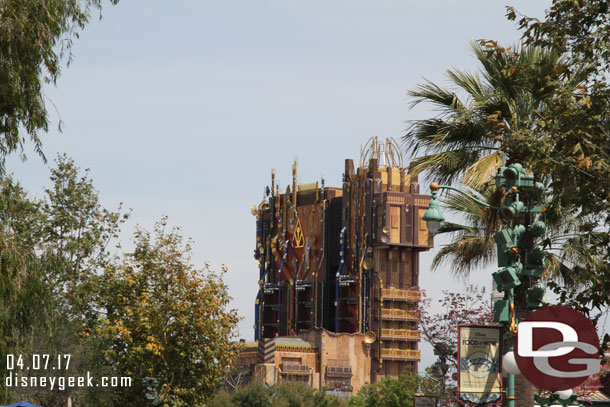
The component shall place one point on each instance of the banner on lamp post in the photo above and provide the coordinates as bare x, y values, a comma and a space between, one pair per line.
479, 365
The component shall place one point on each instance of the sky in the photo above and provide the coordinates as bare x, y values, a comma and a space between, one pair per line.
183, 108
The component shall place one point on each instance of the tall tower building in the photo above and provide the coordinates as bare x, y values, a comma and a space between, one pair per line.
342, 261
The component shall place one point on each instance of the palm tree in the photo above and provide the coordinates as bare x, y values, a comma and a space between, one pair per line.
473, 245
473, 135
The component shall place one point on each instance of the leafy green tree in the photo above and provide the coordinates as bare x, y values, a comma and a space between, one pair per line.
299, 395
74, 238
571, 143
164, 318
35, 35
581, 29
48, 275
393, 392
20, 277
258, 394
149, 314
492, 125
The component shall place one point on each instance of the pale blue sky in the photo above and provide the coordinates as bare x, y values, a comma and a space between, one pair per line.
182, 108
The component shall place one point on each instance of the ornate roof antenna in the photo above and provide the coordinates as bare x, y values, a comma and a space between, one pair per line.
387, 153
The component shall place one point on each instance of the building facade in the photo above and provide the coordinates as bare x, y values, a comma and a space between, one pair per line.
339, 270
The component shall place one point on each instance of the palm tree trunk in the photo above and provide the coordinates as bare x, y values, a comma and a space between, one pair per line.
524, 390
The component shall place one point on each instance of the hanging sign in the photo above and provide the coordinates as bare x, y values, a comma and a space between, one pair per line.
479, 365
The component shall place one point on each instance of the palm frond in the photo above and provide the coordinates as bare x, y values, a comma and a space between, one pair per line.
465, 254
498, 70
482, 171
469, 82
435, 135
464, 205
444, 167
450, 227
485, 221
479, 125
557, 270
444, 100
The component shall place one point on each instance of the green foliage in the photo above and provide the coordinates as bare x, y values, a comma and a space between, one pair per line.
580, 28
545, 106
258, 394
221, 399
473, 245
149, 313
503, 119
571, 143
474, 131
46, 275
393, 392
34, 36
298, 395
63, 337
74, 238
166, 319
255, 395
21, 270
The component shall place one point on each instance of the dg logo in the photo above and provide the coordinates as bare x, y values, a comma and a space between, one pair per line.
557, 348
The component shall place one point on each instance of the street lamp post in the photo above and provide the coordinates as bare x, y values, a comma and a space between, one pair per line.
433, 216
419, 393
520, 260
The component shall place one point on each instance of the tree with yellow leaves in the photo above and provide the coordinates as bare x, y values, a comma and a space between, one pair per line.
164, 318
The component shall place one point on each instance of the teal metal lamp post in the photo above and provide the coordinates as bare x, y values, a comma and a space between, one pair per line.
433, 218
433, 215
521, 261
